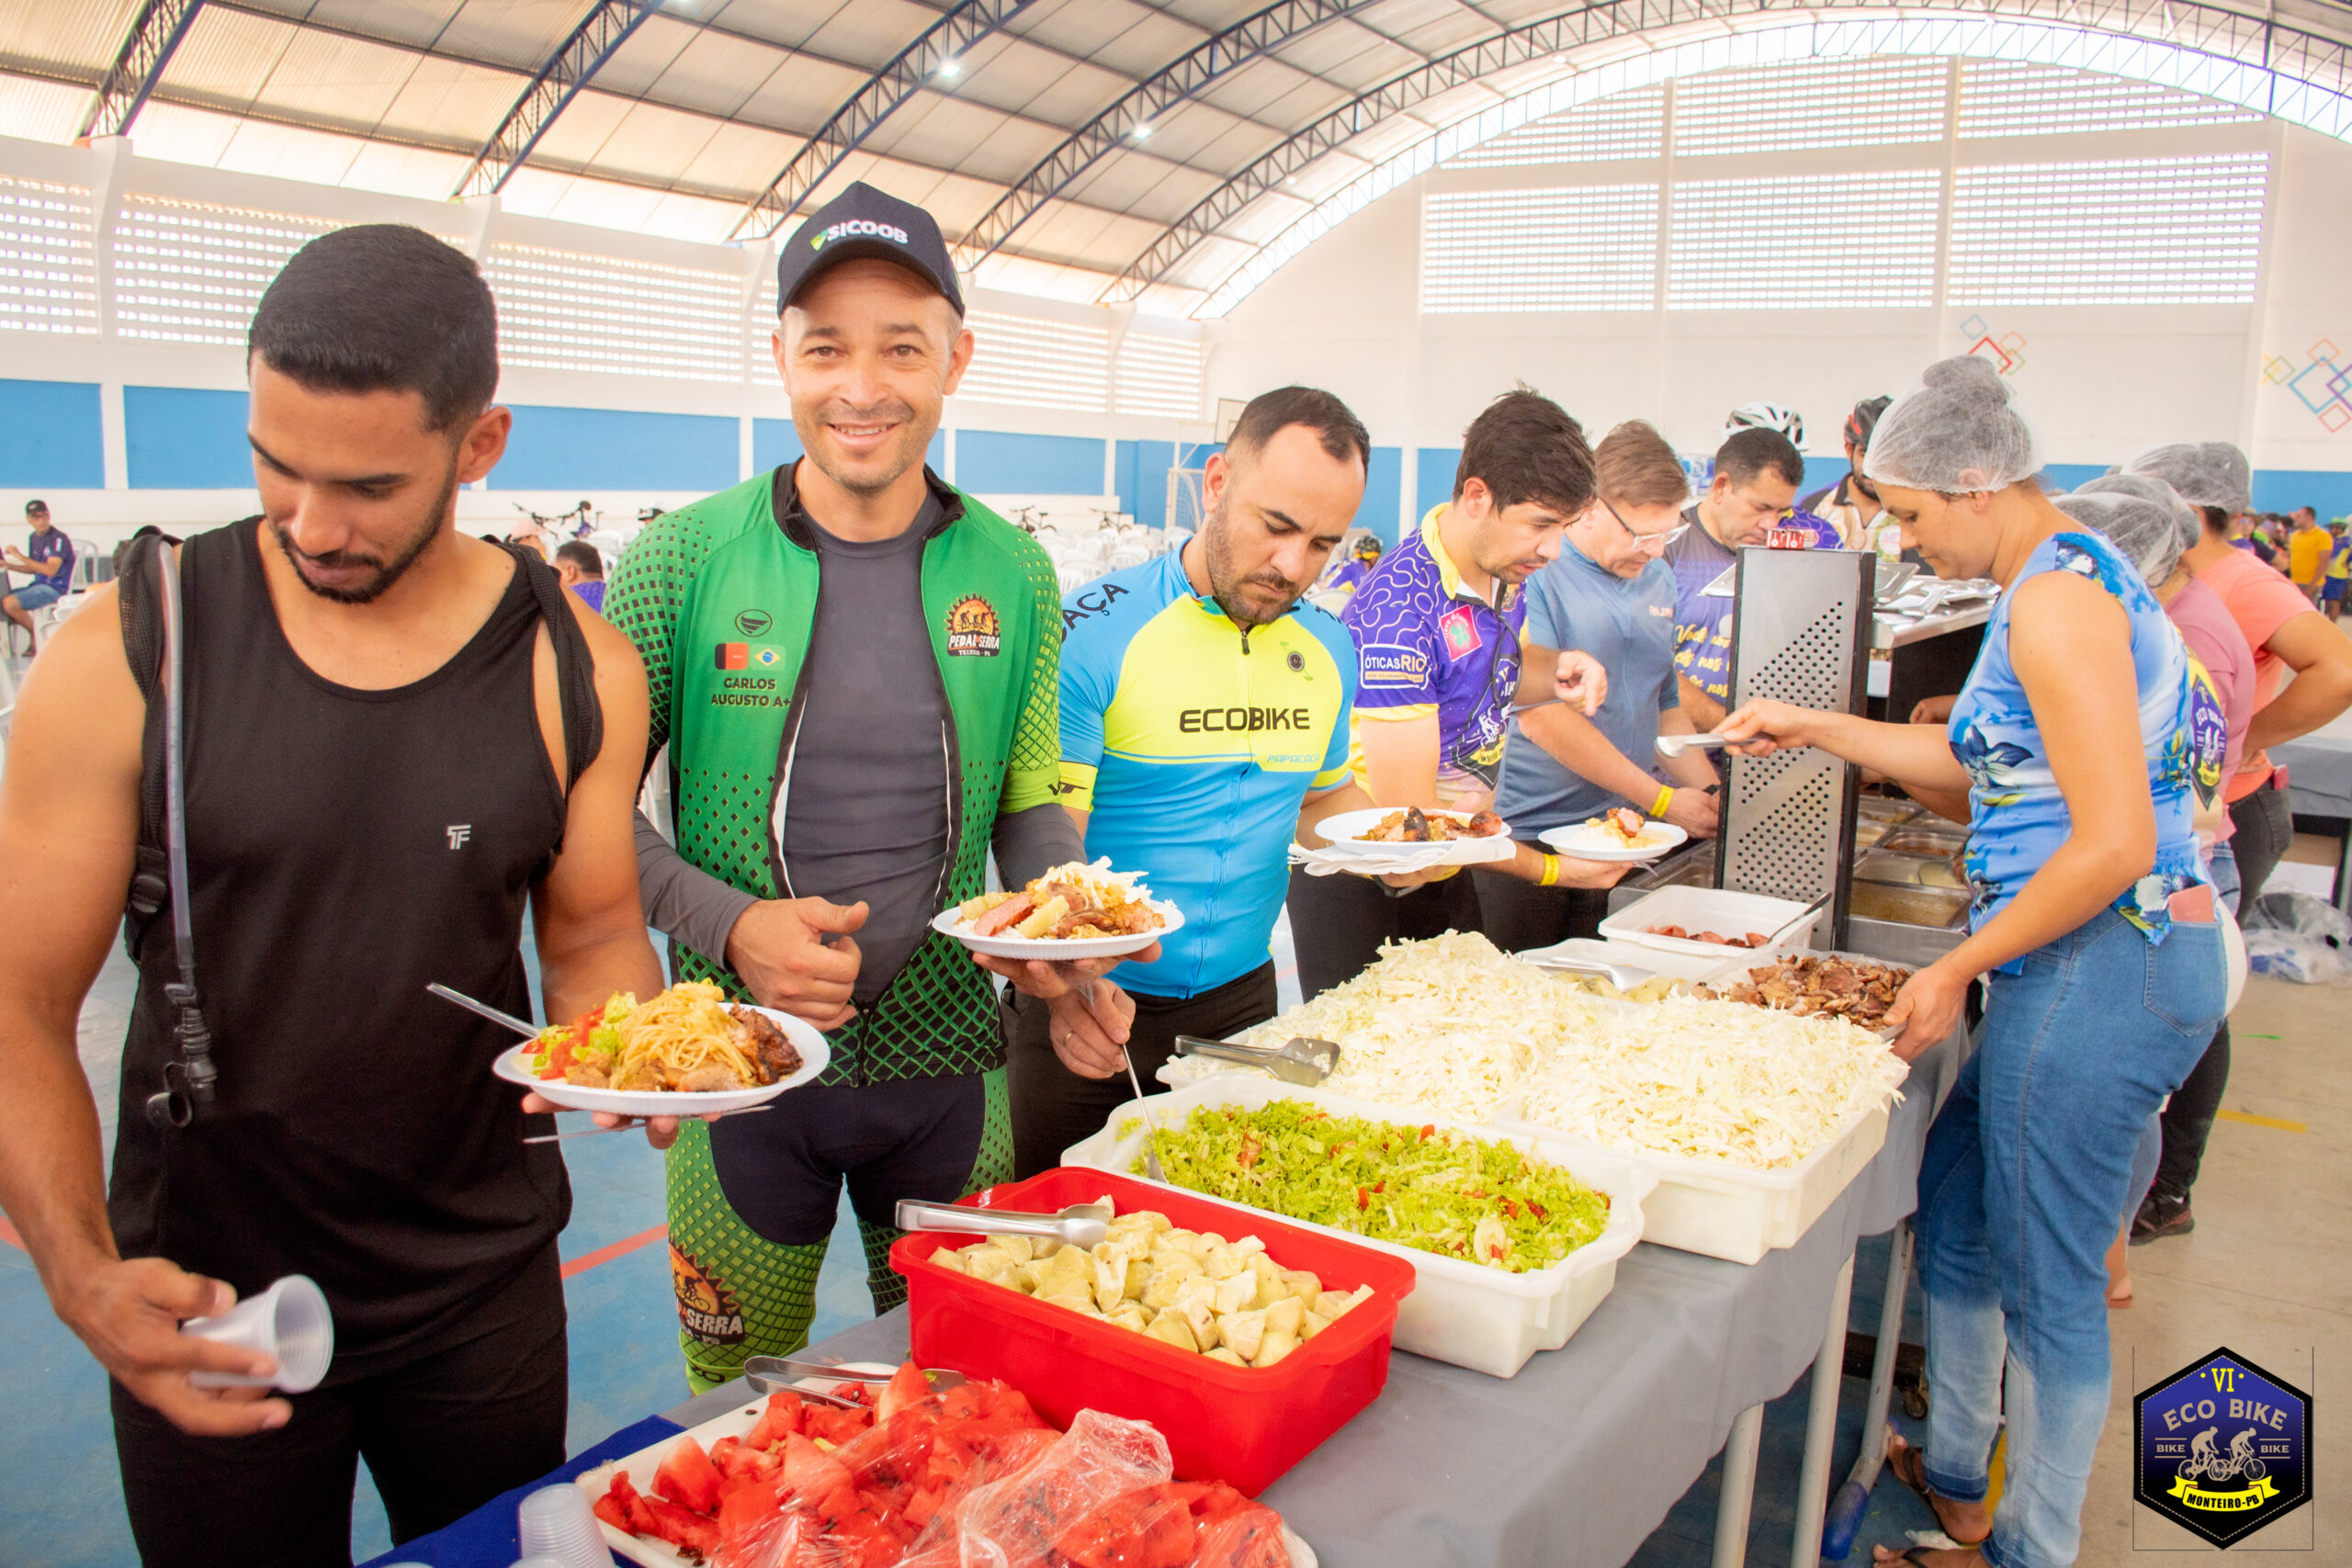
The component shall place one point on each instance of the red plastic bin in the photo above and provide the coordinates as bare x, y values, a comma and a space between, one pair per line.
1242, 1424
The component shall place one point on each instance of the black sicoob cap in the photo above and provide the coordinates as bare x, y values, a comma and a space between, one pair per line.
863, 222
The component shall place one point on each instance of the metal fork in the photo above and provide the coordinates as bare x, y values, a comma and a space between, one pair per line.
1151, 1166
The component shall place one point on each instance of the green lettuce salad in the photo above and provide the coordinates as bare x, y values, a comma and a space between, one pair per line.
1429, 1187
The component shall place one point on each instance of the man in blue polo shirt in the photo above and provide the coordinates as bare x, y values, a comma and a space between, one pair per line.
1611, 594
1204, 723
49, 558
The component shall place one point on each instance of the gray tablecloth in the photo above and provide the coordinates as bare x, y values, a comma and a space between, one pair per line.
2319, 773
1576, 1459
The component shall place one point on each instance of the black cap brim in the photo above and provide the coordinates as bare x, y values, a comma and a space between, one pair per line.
858, 249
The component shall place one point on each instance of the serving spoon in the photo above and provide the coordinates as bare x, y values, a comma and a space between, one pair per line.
1302, 1059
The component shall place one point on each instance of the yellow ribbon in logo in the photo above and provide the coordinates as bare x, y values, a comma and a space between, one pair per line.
2196, 1496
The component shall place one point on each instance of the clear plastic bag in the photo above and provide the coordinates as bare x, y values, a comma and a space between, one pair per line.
2294, 936
1013, 1523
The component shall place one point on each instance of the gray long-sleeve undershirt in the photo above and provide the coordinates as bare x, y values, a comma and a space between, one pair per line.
685, 902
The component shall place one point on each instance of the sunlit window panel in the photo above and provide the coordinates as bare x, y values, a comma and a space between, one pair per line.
1797, 104
1038, 364
1858, 239
1624, 125
2138, 231
1159, 377
49, 274
192, 272
2003, 97
1593, 248
571, 310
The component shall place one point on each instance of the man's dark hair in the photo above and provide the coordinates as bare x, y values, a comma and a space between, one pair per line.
383, 307
1524, 447
1751, 451
2216, 518
582, 554
1334, 424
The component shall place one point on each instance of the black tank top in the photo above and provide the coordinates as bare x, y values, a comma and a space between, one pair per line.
345, 848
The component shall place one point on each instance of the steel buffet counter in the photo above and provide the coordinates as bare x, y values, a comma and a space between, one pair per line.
1572, 1462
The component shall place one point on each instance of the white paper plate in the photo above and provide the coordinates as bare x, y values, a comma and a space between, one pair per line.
515, 1067
641, 1466
1586, 842
1343, 830
1001, 946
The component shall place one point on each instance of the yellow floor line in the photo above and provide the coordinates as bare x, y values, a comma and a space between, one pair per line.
2250, 1119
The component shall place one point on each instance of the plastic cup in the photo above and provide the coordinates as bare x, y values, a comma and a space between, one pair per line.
557, 1523
288, 1323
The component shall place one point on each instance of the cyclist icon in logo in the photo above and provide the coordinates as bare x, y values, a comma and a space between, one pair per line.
2205, 1460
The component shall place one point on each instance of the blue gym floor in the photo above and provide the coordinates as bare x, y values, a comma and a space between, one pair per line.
61, 1502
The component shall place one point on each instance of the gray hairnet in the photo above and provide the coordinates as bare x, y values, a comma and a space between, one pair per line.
1952, 434
2141, 516
2204, 473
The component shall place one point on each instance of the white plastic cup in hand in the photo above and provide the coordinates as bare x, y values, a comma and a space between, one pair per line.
288, 1323
557, 1525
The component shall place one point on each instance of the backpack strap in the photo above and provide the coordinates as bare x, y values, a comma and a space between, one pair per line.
575, 669
137, 588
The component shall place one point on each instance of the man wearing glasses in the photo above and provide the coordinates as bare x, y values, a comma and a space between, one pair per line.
1753, 492
1614, 596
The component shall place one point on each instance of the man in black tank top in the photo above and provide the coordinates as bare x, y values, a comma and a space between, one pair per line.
395, 737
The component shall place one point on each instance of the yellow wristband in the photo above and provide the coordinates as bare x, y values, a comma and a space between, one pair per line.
1551, 872
1665, 798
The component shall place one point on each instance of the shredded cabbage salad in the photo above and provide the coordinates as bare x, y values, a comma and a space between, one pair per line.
1445, 1025
1426, 1187
1454, 1026
1713, 1080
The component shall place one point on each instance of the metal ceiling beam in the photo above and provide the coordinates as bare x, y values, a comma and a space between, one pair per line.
907, 73
138, 66
605, 27
2189, 24
1125, 122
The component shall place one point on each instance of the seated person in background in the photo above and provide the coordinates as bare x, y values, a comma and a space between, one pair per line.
1753, 491
583, 571
48, 556
1436, 630
1611, 593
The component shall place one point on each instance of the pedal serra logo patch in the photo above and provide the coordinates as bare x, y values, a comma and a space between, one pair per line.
973, 628
2222, 1447
705, 1307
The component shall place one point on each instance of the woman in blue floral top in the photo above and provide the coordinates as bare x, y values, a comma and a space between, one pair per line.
2080, 738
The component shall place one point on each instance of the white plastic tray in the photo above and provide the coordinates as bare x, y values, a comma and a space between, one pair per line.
1690, 966
1460, 1312
1726, 1210
1715, 910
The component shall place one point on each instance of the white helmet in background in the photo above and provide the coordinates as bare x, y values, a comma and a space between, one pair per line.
1767, 416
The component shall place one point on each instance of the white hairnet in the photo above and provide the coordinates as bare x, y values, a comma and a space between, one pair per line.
2141, 516
1952, 434
2204, 473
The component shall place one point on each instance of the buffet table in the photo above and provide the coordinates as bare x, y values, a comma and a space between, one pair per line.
1572, 1462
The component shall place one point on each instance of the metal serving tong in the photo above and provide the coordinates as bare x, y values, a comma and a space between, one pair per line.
1080, 1226
1675, 745
1302, 1059
1569, 956
775, 1375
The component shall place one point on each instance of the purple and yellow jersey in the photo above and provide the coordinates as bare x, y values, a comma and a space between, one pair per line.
1425, 644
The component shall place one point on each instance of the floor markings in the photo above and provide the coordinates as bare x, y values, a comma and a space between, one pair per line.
620, 1249
2251, 1120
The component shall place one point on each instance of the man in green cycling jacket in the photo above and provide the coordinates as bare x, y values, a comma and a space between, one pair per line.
854, 666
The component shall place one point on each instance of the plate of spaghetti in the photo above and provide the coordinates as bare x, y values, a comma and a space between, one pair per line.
686, 1052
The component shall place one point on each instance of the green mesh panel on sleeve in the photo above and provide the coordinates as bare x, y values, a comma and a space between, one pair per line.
1034, 768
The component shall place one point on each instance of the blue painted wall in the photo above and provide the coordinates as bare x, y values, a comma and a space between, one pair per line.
1384, 493
585, 449
2283, 489
1141, 468
1433, 477
51, 435
186, 438
996, 462
775, 442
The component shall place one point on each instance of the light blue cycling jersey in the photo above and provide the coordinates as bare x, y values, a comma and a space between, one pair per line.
1191, 746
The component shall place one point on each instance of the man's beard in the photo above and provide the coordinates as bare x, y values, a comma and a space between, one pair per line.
893, 412
387, 572
1226, 585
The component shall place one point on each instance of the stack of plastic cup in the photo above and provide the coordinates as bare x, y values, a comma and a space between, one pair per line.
288, 1323
557, 1525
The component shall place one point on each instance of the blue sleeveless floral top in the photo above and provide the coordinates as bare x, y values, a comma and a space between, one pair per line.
2018, 818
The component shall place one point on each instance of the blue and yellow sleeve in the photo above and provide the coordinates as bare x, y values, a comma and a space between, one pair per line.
1093, 651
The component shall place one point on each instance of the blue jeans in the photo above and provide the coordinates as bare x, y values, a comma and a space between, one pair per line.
2025, 1175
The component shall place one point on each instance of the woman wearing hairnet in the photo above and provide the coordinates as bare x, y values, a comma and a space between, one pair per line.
2150, 525
2080, 737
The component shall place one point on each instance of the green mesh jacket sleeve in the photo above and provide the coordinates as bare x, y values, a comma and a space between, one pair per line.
646, 591
1033, 771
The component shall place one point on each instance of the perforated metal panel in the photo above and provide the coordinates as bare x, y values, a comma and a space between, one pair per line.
1803, 636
